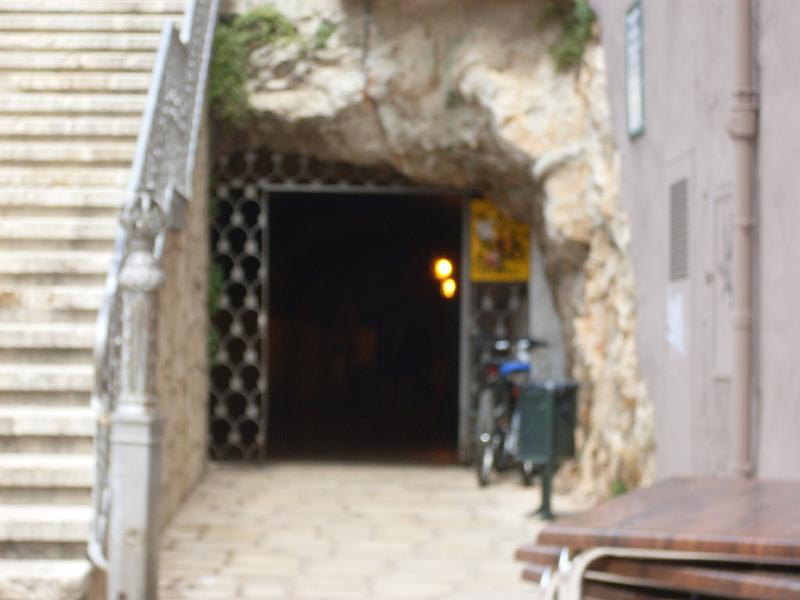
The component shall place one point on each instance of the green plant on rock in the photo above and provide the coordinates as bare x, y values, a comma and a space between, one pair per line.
618, 487
323, 34
234, 41
453, 98
577, 20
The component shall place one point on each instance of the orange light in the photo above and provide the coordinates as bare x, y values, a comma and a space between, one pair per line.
442, 268
448, 288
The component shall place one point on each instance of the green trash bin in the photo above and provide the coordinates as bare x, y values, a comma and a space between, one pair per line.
547, 429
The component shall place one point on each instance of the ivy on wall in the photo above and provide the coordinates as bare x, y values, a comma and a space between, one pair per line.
576, 19
234, 41
323, 33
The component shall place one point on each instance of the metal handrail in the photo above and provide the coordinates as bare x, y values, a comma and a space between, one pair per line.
163, 167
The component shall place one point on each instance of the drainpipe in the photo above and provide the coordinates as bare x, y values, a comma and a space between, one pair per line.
743, 130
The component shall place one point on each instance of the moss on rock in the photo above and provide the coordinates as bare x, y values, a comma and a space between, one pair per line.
234, 41
577, 20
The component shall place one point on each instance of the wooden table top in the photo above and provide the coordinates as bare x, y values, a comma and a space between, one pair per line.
729, 516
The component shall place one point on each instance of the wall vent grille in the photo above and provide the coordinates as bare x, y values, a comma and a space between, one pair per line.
679, 230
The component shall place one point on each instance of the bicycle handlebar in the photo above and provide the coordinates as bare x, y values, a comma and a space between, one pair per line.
507, 344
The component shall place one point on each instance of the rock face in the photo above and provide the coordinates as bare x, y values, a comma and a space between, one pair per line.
464, 93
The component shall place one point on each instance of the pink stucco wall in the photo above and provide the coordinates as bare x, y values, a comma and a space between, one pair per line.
684, 337
778, 224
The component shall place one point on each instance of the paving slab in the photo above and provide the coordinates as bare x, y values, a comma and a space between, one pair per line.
319, 530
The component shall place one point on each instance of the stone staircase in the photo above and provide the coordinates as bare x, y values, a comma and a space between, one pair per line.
73, 82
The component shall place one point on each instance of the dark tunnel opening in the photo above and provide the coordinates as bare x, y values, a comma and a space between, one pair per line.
363, 348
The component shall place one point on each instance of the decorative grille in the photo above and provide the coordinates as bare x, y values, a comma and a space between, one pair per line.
238, 376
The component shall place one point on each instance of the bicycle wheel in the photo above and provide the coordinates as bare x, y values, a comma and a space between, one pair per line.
485, 465
484, 437
529, 471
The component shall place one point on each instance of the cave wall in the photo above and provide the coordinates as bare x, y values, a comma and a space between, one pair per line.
464, 93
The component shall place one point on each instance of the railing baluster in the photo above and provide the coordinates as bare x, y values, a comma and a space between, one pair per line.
127, 447
136, 426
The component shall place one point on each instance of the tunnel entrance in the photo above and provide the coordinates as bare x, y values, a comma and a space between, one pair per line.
329, 335
363, 348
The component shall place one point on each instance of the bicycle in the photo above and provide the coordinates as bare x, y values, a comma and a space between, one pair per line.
498, 420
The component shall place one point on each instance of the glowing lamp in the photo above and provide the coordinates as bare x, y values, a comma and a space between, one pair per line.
442, 268
448, 288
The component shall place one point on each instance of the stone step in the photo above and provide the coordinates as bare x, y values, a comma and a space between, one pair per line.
69, 81
88, 60
75, 496
72, 104
53, 437
68, 152
45, 357
45, 316
67, 22
42, 378
54, 430
49, 336
59, 228
79, 41
75, 126
54, 262
27, 314
51, 298
47, 398
77, 199
50, 356
44, 579
54, 445
46, 470
78, 176
45, 421
172, 7
21, 523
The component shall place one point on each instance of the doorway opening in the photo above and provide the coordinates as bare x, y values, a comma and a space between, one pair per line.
327, 318
363, 352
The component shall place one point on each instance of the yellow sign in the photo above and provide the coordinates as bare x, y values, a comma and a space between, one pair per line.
499, 246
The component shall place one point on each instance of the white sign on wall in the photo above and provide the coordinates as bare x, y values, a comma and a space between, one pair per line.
676, 323
634, 70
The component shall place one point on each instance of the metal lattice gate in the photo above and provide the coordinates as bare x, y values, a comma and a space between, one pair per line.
239, 238
240, 275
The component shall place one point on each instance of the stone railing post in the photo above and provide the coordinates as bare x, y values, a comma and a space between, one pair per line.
135, 423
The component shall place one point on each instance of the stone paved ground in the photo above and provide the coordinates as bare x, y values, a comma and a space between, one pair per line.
317, 531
